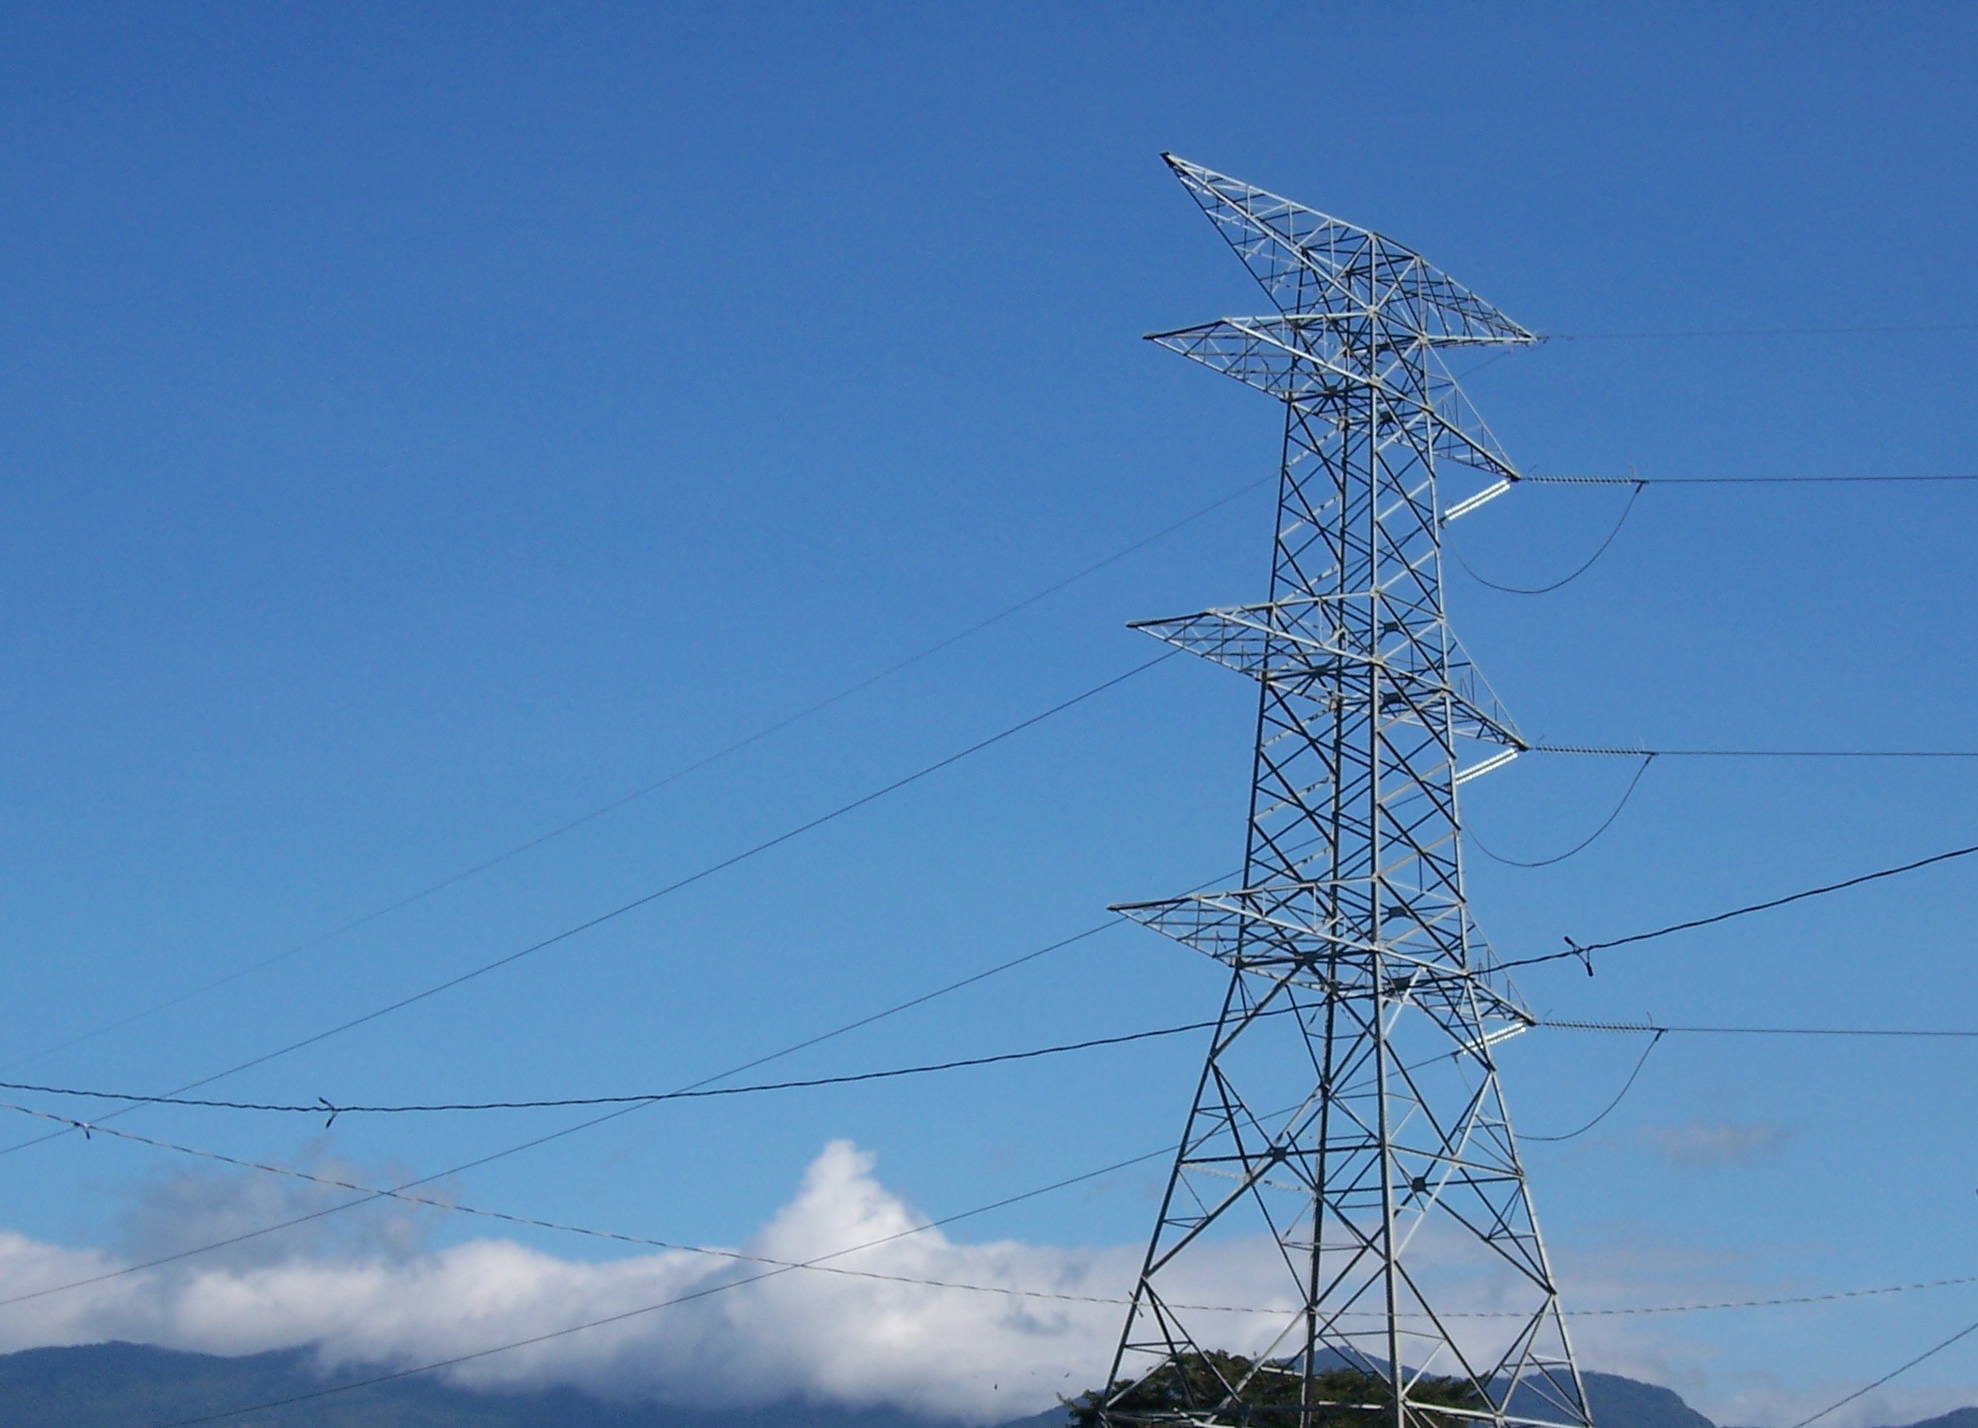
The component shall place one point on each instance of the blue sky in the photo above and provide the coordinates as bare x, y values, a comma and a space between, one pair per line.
423, 427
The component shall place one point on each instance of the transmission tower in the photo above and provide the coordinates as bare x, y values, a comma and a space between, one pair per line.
1349, 1120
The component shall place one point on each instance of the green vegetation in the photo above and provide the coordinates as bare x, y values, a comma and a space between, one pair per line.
1347, 1398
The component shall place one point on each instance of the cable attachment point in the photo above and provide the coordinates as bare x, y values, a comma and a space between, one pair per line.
1585, 954
333, 1110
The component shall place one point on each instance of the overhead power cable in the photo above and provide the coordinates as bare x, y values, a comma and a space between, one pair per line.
1637, 484
325, 1107
590, 1123
618, 1318
1897, 1372
1659, 1030
332, 1111
1581, 569
775, 1269
402, 1191
1622, 751
667, 890
435, 1203
649, 1242
1641, 481
1577, 951
1655, 1031
645, 790
1619, 1096
1584, 843
1690, 332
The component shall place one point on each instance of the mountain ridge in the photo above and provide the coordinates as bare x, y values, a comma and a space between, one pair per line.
124, 1385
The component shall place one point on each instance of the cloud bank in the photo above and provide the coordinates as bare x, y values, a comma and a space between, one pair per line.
841, 1338
735, 1333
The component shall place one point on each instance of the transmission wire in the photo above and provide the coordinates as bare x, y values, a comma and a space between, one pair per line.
1618, 751
592, 1122
1582, 951
1760, 332
1579, 847
1657, 1028
647, 898
1563, 581
1930, 1352
638, 793
532, 1222
1742, 480
1619, 1096
332, 1111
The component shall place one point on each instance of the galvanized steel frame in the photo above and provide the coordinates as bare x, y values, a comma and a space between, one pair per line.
1349, 1111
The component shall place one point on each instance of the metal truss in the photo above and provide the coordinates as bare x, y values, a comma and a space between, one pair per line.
1349, 1119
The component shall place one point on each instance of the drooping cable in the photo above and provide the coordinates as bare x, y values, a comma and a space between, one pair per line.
1619, 1096
401, 1191
369, 1196
1563, 580
645, 790
1579, 847
332, 1110
667, 890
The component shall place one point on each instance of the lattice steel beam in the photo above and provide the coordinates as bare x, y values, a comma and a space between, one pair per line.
1349, 1119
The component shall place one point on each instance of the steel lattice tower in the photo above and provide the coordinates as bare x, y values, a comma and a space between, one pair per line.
1349, 1115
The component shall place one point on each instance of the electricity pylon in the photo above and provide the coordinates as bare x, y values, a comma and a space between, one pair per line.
1349, 1119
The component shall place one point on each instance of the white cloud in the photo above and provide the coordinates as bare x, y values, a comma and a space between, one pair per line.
367, 1296
1714, 1143
799, 1334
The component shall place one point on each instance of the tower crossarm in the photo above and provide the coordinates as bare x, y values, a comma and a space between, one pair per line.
1312, 263
1260, 929
1304, 644
1321, 365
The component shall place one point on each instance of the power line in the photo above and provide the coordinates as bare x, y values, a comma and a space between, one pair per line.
1691, 332
1579, 847
369, 1195
675, 886
648, 1242
703, 1293
1930, 1352
1636, 485
1640, 481
1619, 1096
1659, 1030
332, 1111
1655, 1031
429, 1202
655, 786
1581, 569
1621, 751
1778, 1302
775, 1268
1583, 951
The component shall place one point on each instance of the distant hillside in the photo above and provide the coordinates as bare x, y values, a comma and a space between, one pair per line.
137, 1386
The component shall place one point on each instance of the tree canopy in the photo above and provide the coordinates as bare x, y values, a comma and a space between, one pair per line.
1197, 1385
